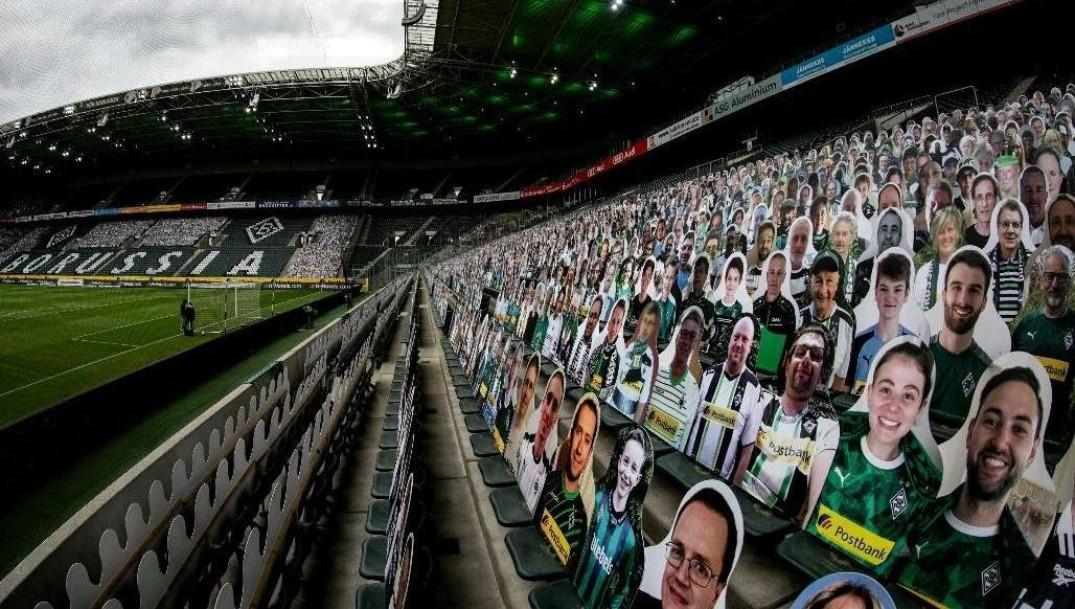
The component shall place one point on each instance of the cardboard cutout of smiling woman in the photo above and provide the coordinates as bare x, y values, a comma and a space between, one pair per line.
885, 313
693, 564
887, 468
977, 547
1009, 248
611, 562
845, 589
516, 415
563, 508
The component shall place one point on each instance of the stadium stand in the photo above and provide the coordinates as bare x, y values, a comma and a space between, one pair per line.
182, 231
327, 240
113, 233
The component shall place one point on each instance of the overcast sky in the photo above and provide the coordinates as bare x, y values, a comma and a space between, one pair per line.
55, 52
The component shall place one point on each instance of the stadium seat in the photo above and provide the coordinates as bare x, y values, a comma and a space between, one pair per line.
813, 557
483, 445
530, 553
510, 507
560, 594
495, 471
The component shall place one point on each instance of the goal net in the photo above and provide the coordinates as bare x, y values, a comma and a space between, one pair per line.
222, 307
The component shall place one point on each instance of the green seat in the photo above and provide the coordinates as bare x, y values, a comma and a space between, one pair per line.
475, 423
813, 557
377, 517
495, 471
391, 409
685, 472
613, 419
510, 507
574, 393
389, 439
469, 405
759, 520
374, 558
391, 423
532, 556
386, 460
560, 594
483, 445
660, 447
382, 485
371, 596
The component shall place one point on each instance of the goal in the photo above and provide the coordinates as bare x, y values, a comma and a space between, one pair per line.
219, 307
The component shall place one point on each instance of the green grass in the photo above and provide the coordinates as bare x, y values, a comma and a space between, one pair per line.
58, 342
26, 521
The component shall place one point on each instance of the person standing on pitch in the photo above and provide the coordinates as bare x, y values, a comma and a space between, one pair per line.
186, 314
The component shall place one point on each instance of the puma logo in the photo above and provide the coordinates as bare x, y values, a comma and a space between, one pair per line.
842, 476
918, 548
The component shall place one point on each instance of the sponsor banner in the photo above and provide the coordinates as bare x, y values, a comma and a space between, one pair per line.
741, 98
82, 213
230, 205
106, 211
274, 204
497, 196
850, 51
316, 203
192, 207
681, 127
941, 14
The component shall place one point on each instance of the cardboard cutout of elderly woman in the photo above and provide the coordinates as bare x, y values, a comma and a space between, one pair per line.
1009, 248
639, 369
800, 251
886, 313
894, 228
612, 559
998, 504
693, 564
887, 468
674, 399
946, 237
563, 509
730, 300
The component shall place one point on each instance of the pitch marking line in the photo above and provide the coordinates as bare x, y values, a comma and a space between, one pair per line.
86, 365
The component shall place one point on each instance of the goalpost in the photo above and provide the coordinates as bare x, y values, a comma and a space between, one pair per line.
220, 306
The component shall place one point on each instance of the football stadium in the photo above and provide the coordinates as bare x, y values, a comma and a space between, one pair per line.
548, 304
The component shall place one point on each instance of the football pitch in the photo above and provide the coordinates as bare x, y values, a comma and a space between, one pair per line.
56, 342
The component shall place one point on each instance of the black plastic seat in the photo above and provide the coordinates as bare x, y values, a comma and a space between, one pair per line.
534, 560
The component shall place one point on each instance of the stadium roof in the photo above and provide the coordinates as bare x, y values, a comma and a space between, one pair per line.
478, 79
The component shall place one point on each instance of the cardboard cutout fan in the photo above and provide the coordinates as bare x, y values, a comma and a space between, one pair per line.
874, 316
1033, 499
1010, 279
516, 414
534, 457
611, 563
845, 589
675, 394
778, 322
563, 509
707, 533
991, 333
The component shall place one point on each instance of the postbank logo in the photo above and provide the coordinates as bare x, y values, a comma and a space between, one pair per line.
851, 538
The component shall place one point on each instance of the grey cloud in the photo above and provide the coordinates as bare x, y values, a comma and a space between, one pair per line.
54, 52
